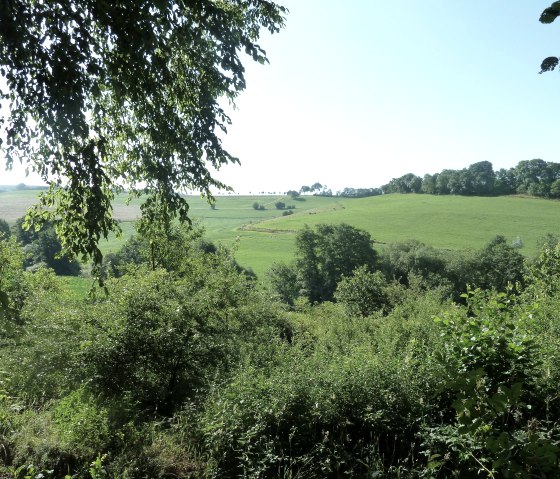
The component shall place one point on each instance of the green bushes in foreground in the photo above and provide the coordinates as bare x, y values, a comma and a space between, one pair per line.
190, 371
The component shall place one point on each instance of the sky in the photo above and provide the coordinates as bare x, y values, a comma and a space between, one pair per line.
363, 91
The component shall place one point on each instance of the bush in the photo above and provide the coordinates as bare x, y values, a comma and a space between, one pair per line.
400, 260
280, 205
501, 424
287, 213
161, 339
43, 248
153, 342
497, 265
284, 283
362, 293
346, 399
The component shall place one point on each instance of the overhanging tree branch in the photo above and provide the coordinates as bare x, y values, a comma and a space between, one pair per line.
105, 96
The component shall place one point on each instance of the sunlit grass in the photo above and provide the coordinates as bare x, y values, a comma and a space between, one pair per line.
263, 237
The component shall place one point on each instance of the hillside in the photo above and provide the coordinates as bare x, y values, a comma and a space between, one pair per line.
450, 222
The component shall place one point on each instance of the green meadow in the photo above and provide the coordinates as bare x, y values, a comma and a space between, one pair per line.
262, 237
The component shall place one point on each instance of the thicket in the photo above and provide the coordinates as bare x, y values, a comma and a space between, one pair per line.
188, 368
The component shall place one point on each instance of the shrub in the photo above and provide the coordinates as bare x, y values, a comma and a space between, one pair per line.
280, 205
161, 339
334, 406
362, 293
497, 265
500, 426
284, 283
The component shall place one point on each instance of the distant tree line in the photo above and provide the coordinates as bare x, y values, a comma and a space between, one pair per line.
533, 177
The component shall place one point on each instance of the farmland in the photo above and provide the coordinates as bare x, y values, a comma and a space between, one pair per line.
262, 237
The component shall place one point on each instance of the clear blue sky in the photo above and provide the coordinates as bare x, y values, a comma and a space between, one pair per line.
359, 92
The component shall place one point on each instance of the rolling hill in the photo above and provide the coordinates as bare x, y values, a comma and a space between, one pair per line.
262, 237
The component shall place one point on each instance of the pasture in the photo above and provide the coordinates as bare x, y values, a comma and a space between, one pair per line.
262, 237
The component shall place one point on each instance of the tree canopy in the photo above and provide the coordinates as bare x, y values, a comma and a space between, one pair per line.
548, 16
326, 254
105, 96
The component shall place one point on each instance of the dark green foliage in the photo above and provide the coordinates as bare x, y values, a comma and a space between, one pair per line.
25, 235
346, 399
280, 205
258, 206
493, 267
44, 248
482, 179
186, 370
359, 192
48, 251
327, 253
506, 183
287, 213
429, 184
284, 282
363, 293
159, 340
4, 229
548, 16
165, 249
408, 183
497, 265
13, 285
151, 343
500, 428
535, 177
401, 259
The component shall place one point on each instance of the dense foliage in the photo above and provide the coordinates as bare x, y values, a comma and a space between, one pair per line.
190, 369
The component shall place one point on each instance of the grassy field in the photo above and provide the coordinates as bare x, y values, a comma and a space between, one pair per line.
262, 237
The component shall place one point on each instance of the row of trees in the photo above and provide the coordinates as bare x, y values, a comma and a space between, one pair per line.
330, 255
534, 177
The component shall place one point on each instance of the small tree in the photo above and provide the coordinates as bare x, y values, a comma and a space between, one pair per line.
317, 187
362, 293
327, 253
284, 282
280, 205
498, 264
